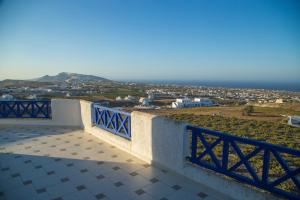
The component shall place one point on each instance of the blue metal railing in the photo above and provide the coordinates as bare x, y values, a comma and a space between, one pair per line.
112, 120
25, 109
204, 154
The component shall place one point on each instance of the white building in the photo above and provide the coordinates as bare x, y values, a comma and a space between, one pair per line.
129, 98
32, 97
145, 101
294, 121
119, 98
279, 101
151, 96
7, 97
188, 103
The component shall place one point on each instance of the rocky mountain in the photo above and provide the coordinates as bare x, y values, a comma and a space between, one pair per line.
70, 77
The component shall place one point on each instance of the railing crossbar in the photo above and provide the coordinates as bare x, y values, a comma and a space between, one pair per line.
112, 120
25, 109
225, 141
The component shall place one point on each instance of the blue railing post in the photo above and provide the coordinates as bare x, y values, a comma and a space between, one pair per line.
105, 117
129, 126
266, 166
32, 109
18, 114
116, 122
47, 111
225, 154
194, 146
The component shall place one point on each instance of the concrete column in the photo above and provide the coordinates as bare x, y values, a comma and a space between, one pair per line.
141, 135
66, 112
86, 114
159, 140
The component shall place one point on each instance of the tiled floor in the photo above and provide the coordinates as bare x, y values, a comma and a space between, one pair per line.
63, 163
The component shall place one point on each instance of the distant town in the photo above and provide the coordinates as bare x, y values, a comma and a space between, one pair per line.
138, 95
161, 98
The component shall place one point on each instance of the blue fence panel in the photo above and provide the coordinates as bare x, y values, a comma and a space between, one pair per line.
25, 109
112, 120
204, 153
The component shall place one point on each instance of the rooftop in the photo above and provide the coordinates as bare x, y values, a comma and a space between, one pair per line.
74, 149
68, 163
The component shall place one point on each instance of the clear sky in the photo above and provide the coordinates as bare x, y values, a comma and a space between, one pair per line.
248, 40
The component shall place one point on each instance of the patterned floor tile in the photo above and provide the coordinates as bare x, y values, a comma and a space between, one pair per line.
63, 163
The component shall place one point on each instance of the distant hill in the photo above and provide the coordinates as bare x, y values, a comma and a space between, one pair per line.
22, 83
70, 77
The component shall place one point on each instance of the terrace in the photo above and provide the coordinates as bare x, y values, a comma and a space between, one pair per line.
73, 149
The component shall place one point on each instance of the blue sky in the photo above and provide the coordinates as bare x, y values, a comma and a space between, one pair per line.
241, 40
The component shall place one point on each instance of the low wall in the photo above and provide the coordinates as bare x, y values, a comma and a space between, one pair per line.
164, 142
155, 140
65, 112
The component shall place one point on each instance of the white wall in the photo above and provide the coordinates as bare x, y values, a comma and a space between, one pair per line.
164, 142
155, 140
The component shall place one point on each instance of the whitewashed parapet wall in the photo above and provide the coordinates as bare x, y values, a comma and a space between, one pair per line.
164, 142
155, 140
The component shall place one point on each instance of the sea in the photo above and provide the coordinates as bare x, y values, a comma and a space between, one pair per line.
291, 87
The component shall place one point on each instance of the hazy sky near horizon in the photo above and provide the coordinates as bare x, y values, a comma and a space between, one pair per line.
236, 40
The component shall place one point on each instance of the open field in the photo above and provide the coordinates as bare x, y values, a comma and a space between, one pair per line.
265, 124
270, 114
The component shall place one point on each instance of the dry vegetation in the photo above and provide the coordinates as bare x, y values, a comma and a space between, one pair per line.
265, 123
269, 114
